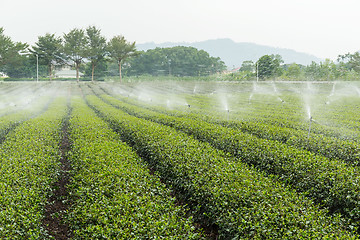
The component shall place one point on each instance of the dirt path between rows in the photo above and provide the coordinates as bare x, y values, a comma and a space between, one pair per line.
59, 202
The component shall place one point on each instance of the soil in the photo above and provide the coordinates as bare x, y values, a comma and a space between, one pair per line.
59, 201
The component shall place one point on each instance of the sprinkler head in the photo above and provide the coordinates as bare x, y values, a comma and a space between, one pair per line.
189, 105
311, 118
228, 110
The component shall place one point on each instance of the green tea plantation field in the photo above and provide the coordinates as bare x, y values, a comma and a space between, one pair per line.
180, 160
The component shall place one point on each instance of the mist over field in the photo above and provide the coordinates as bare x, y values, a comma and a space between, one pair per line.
106, 156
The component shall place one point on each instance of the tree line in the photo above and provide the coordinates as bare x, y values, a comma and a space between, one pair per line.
88, 50
74, 48
347, 67
176, 61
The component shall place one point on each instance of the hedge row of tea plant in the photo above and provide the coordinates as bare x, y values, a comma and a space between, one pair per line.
330, 147
242, 202
268, 117
331, 183
115, 196
29, 164
12, 119
281, 115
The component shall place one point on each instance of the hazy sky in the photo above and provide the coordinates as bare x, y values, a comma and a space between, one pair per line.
324, 28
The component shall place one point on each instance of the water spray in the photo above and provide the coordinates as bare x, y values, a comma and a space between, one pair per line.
333, 90
357, 90
250, 98
310, 121
281, 100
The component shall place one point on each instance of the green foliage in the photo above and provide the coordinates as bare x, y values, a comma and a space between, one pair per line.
10, 52
328, 182
25, 68
48, 49
76, 47
177, 61
101, 70
248, 173
97, 48
180, 61
29, 165
120, 50
242, 202
293, 71
115, 195
326, 70
247, 66
348, 67
269, 66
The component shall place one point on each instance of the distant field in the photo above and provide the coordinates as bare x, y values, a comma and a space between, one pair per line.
180, 160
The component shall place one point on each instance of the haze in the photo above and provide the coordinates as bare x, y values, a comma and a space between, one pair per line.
322, 28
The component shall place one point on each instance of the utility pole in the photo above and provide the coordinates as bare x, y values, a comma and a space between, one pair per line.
169, 62
257, 71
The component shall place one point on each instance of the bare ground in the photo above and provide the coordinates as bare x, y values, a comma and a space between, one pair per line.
59, 201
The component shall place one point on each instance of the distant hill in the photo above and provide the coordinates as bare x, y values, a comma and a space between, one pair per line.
233, 53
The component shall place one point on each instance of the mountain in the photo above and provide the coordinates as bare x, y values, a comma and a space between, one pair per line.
234, 53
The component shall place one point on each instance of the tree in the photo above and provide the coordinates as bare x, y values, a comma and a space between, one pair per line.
26, 67
49, 51
76, 47
96, 47
269, 66
178, 61
264, 66
247, 66
351, 60
293, 70
313, 70
10, 51
120, 50
276, 64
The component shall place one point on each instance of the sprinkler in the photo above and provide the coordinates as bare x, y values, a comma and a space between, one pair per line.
188, 107
227, 114
310, 121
